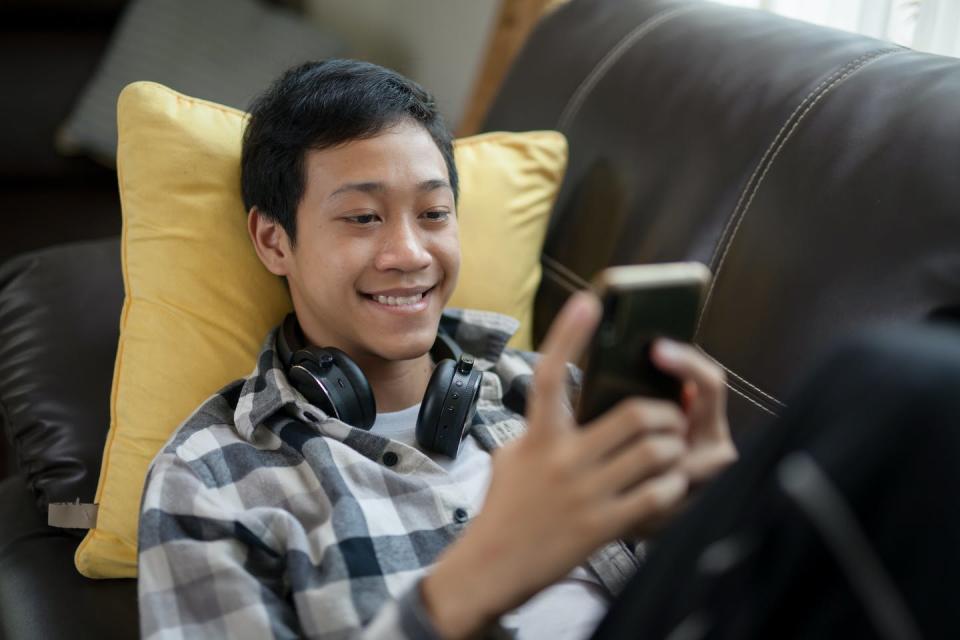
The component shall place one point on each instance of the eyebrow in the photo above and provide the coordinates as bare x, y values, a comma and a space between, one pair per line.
379, 187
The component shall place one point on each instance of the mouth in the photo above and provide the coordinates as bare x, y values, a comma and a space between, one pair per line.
404, 301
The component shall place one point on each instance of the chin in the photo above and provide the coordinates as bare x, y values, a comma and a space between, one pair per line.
407, 347
404, 352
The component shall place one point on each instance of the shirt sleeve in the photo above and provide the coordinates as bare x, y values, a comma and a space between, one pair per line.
515, 370
207, 570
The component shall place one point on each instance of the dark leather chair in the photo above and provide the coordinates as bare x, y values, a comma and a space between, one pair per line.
59, 325
813, 170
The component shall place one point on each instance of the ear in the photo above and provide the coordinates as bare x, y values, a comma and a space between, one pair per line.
270, 241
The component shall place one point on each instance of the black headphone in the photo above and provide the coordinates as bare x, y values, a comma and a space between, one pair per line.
330, 380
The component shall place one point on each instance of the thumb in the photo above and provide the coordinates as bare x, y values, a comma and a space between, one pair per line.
567, 338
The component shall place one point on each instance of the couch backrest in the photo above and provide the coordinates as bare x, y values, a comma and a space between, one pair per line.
815, 171
48, 50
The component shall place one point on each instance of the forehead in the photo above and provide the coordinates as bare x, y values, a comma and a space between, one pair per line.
401, 155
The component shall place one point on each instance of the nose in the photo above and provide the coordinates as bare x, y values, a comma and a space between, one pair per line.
404, 247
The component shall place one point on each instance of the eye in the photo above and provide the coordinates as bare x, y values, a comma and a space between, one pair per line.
362, 220
437, 215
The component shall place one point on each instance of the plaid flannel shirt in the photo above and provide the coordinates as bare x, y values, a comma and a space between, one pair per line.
262, 516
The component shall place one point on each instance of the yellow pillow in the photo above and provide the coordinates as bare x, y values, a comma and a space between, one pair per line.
198, 301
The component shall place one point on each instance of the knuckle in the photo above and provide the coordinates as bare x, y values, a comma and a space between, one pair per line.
636, 412
558, 460
564, 459
716, 377
660, 451
666, 493
656, 500
644, 414
673, 415
641, 411
544, 376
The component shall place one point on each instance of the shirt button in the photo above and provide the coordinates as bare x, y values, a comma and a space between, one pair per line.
460, 515
390, 458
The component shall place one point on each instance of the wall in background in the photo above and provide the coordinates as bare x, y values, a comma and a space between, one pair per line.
438, 43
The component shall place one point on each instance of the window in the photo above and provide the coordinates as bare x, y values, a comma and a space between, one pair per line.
925, 25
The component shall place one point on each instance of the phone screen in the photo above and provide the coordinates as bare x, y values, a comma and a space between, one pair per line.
618, 363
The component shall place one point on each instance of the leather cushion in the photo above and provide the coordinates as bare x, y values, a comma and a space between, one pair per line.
59, 325
41, 594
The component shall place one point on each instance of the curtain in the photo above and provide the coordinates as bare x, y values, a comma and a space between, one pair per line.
924, 25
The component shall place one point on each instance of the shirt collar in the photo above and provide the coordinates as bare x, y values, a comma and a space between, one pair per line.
482, 334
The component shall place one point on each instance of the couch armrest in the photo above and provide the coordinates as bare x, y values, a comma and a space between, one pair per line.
41, 593
59, 326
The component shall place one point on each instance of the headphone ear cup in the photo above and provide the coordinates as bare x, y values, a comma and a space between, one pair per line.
303, 375
362, 411
430, 431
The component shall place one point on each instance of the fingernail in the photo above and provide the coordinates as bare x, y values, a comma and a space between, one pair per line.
667, 349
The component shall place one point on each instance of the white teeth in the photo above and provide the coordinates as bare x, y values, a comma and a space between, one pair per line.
396, 301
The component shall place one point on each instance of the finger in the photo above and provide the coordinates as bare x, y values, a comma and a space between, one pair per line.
688, 364
567, 338
704, 463
688, 394
628, 420
650, 499
642, 459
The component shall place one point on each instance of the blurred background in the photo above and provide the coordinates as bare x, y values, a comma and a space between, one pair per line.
63, 63
925, 25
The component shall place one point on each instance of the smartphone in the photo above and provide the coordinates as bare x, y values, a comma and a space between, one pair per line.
640, 303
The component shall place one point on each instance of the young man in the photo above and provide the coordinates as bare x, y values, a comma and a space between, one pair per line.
264, 515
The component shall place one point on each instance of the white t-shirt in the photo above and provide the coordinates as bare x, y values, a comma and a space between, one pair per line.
570, 609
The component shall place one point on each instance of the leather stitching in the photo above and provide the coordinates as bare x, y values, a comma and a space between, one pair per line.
839, 76
776, 146
570, 281
582, 92
752, 401
770, 148
553, 277
741, 379
562, 276
560, 270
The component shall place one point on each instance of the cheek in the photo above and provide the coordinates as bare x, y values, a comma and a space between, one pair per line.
449, 254
451, 242
334, 262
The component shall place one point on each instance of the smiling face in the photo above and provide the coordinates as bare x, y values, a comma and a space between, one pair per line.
377, 254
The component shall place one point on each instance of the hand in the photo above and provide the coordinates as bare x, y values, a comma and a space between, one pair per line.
559, 492
705, 406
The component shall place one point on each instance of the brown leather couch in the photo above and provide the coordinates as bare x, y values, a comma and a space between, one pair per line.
815, 171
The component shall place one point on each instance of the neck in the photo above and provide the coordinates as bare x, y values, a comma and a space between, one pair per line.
397, 384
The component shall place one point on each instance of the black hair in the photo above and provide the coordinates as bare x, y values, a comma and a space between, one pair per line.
319, 105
